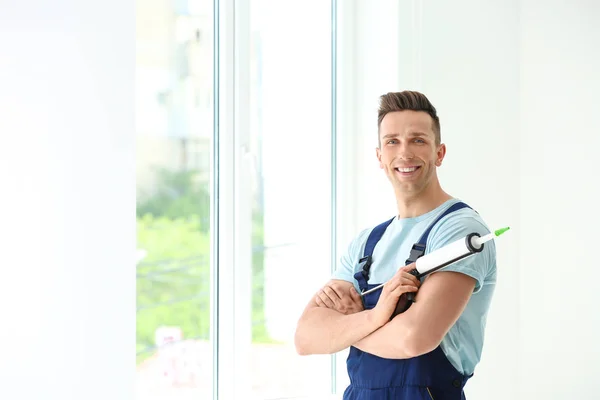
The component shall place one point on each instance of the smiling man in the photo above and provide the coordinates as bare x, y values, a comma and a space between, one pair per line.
431, 349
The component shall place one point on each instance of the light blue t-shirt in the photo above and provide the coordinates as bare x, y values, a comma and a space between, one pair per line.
464, 341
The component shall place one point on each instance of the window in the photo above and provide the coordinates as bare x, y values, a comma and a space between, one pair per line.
234, 164
174, 123
289, 187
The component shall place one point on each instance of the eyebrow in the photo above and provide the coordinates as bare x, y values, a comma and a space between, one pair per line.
412, 134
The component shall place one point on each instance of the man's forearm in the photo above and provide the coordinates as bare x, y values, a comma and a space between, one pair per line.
325, 331
398, 339
391, 341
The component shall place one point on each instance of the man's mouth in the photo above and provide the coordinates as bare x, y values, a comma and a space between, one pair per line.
407, 170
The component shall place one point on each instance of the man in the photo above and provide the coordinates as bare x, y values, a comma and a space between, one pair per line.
430, 350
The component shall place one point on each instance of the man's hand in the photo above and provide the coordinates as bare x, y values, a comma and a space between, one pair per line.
401, 282
324, 330
341, 298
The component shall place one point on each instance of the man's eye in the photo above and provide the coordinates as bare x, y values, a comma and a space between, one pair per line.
419, 141
392, 141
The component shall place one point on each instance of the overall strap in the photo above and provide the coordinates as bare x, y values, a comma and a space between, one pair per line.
363, 276
418, 248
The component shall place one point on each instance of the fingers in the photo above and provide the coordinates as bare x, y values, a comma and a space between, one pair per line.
413, 279
323, 300
332, 294
409, 279
401, 289
405, 284
339, 289
408, 267
405, 271
404, 278
401, 283
319, 301
354, 295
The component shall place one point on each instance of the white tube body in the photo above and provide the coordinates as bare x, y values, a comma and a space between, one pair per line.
443, 255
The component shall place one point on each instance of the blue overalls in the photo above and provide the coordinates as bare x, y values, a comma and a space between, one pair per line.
429, 376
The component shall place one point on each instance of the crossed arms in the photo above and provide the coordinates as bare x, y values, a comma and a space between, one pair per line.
334, 319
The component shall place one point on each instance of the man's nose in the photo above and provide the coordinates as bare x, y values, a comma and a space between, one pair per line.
405, 153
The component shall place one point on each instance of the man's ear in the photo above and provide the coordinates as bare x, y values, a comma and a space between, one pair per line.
378, 153
441, 153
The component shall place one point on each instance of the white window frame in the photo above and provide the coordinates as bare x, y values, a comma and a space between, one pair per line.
231, 219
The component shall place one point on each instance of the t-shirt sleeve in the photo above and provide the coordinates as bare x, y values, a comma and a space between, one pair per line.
456, 227
348, 263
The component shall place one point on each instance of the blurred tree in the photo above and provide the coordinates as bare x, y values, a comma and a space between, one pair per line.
173, 280
178, 194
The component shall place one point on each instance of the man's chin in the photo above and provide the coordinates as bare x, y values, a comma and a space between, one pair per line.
408, 188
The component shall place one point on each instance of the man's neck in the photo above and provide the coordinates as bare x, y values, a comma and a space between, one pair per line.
422, 203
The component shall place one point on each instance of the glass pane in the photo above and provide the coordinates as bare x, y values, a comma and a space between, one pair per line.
174, 128
290, 118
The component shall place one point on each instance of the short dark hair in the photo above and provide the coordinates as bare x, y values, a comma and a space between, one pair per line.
408, 100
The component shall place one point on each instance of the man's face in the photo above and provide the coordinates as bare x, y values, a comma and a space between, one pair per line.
408, 153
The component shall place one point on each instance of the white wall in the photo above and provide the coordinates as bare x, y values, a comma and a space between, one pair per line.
510, 80
559, 137
67, 298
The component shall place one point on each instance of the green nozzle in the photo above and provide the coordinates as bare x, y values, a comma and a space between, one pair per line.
501, 231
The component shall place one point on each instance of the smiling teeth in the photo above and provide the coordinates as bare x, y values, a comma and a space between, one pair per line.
406, 169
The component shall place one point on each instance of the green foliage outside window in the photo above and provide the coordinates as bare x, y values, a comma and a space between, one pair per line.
173, 279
